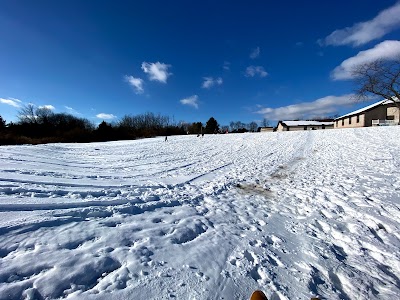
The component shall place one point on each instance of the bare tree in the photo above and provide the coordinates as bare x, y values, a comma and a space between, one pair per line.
380, 77
224, 128
241, 125
232, 125
27, 114
265, 122
253, 126
185, 126
43, 115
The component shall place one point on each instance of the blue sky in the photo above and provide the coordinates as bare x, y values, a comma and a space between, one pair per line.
190, 60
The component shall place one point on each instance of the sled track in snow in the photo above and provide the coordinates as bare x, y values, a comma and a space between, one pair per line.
296, 214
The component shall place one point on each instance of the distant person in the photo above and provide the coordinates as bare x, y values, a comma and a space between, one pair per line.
166, 138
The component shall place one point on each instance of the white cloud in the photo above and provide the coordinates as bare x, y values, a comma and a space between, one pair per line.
307, 110
209, 82
386, 50
252, 71
50, 107
105, 116
255, 53
72, 111
11, 101
364, 32
157, 71
192, 101
226, 66
136, 83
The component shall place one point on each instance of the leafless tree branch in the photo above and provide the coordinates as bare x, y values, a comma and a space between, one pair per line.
380, 77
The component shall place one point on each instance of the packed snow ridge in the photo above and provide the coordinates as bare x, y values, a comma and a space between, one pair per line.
295, 214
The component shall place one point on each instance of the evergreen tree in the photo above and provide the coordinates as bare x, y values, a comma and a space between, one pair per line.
2, 123
212, 126
195, 128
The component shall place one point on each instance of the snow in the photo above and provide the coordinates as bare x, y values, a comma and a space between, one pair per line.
296, 214
306, 123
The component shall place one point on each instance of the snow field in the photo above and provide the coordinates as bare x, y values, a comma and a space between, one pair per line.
296, 214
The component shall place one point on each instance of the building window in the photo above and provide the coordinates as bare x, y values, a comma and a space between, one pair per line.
337, 123
342, 122
349, 120
358, 118
305, 127
390, 118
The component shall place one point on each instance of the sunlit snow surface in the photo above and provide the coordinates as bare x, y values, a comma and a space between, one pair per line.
296, 214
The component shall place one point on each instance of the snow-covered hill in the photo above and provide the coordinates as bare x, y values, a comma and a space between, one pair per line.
296, 214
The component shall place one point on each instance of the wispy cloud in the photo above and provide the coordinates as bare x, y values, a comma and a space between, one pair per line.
11, 101
386, 50
209, 82
364, 32
191, 101
105, 116
253, 71
226, 66
49, 106
136, 83
255, 53
307, 110
72, 111
156, 71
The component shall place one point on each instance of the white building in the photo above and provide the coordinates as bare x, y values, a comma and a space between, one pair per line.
303, 125
381, 113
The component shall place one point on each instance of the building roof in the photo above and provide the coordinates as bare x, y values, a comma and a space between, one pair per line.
361, 110
305, 123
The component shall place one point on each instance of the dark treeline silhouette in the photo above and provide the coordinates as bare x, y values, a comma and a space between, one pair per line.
44, 126
41, 125
146, 125
239, 127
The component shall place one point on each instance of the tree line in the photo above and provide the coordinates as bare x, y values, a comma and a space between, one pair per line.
37, 125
